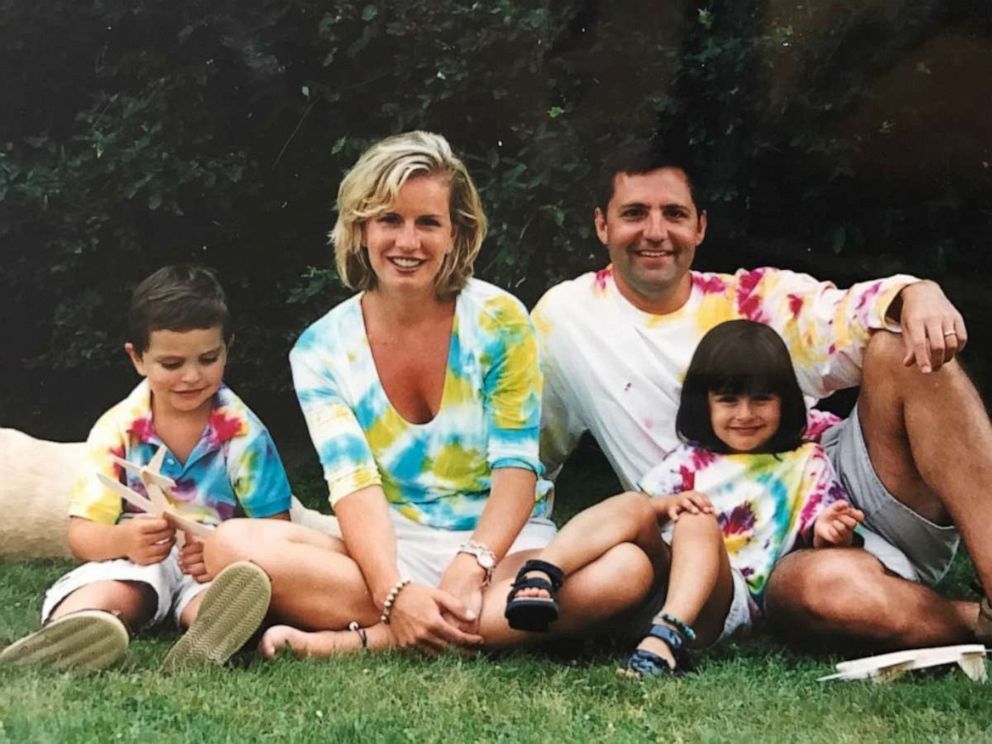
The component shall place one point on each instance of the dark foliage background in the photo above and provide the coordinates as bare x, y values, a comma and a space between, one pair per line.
848, 139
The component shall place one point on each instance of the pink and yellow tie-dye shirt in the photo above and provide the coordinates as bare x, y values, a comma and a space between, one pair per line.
234, 464
616, 371
763, 502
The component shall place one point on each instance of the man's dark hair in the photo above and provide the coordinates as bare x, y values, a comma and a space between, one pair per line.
177, 298
639, 157
740, 357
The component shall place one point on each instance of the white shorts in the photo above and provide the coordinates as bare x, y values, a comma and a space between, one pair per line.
172, 587
423, 552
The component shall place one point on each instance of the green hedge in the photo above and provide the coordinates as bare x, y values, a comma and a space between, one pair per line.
848, 141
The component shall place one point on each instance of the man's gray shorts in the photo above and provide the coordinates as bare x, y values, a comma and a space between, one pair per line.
906, 543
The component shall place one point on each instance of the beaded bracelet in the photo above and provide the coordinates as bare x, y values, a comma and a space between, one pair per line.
679, 625
387, 606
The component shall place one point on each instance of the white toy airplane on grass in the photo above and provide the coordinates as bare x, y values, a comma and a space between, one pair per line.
971, 659
157, 503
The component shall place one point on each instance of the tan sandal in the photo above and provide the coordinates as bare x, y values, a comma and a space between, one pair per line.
88, 640
231, 611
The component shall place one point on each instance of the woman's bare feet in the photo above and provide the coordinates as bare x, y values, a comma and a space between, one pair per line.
306, 645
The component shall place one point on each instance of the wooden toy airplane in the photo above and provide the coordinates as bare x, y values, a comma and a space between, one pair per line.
157, 502
885, 667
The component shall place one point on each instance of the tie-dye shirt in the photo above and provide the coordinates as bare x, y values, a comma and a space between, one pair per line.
616, 371
764, 503
234, 464
438, 473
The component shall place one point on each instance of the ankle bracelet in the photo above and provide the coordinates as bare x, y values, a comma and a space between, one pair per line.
353, 625
679, 625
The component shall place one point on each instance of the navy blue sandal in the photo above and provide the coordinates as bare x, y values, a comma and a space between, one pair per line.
534, 613
644, 663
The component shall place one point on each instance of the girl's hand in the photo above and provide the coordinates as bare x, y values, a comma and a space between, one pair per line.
191, 560
463, 580
146, 539
835, 525
418, 619
692, 502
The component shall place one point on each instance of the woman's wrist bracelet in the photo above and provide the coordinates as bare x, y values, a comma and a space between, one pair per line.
387, 606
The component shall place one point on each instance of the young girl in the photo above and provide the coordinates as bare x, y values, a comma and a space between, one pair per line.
741, 492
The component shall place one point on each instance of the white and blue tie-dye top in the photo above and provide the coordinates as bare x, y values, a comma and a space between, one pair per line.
438, 473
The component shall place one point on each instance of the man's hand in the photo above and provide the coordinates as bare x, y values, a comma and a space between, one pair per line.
191, 560
834, 528
933, 330
146, 540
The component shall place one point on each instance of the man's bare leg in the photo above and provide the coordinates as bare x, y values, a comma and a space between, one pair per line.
930, 442
847, 593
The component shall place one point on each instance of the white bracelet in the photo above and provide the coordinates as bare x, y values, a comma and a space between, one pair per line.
387, 606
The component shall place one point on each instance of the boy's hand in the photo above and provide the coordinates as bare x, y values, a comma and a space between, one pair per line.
835, 525
693, 502
191, 560
146, 540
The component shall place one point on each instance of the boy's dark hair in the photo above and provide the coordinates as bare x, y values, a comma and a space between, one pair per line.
643, 156
177, 298
740, 357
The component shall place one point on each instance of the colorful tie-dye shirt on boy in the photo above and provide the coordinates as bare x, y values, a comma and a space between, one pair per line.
234, 464
438, 473
617, 371
763, 502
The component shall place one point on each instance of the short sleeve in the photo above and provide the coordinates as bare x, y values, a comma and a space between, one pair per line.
561, 428
90, 499
341, 445
511, 386
258, 477
675, 474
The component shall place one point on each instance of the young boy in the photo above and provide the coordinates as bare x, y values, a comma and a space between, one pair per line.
223, 463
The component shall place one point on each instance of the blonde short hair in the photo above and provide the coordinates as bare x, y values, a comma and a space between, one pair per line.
371, 186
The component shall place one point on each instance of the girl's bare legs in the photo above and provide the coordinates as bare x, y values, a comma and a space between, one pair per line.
700, 582
591, 534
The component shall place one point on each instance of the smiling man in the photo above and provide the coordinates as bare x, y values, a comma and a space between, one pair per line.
914, 454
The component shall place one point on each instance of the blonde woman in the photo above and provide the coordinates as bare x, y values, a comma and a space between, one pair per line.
422, 396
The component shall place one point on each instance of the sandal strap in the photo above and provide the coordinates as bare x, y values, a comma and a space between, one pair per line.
672, 638
676, 642
554, 574
649, 664
532, 582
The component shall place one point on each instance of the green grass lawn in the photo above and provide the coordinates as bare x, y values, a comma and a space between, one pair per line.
749, 691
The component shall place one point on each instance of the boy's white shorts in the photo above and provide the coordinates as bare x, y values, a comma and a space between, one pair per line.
173, 588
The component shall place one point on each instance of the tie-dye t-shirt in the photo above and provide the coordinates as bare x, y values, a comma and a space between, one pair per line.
437, 473
235, 463
763, 502
617, 371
